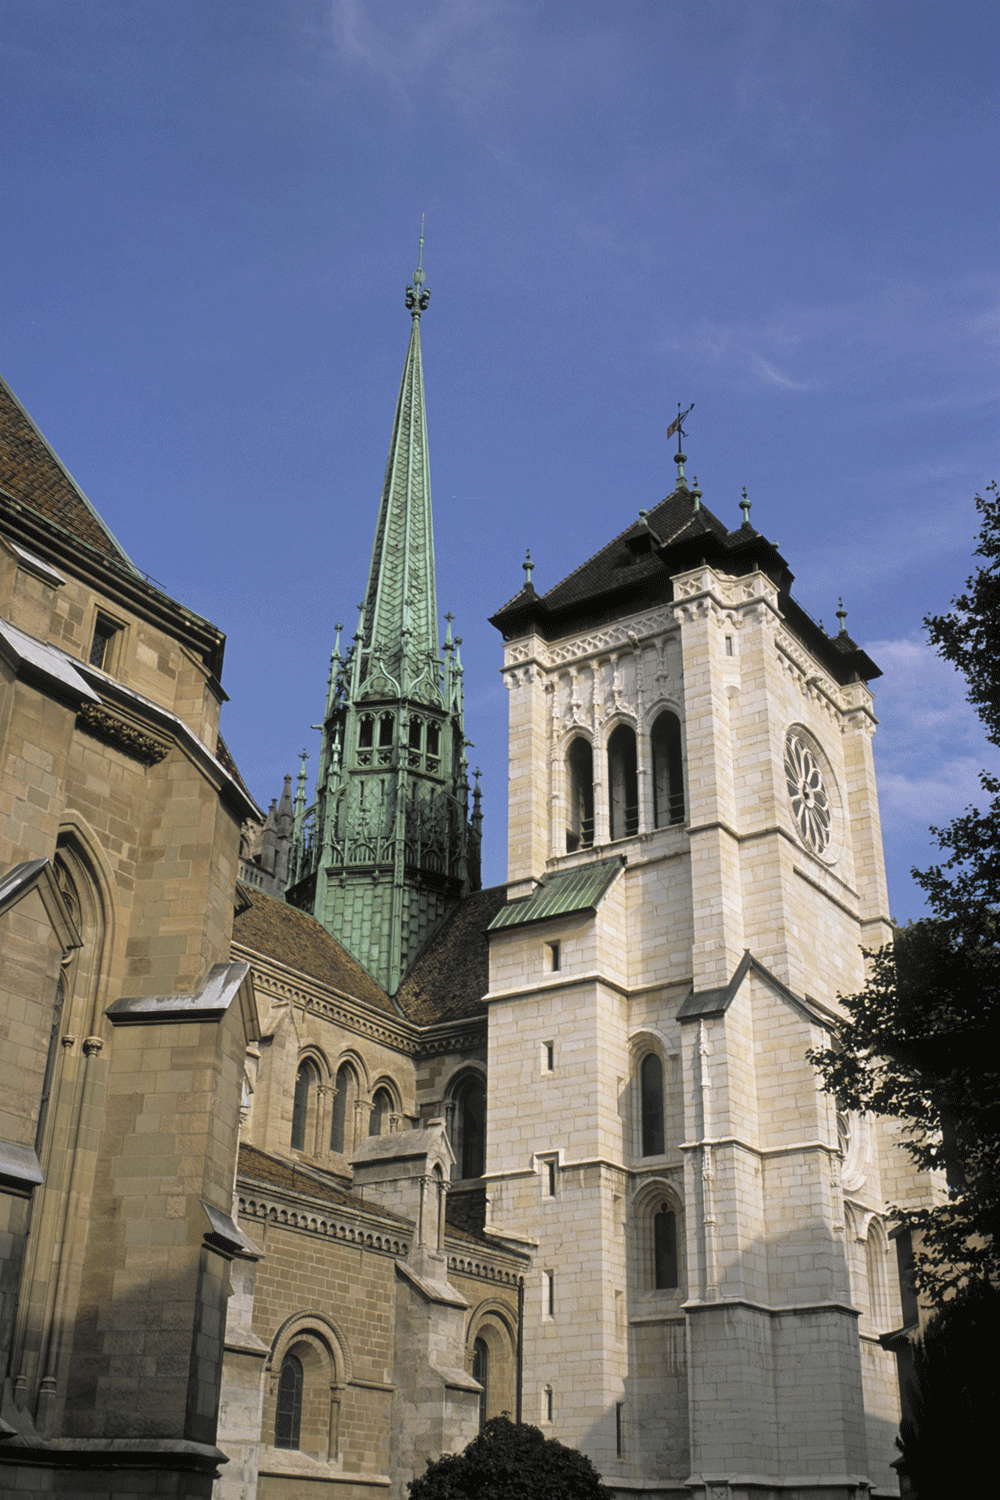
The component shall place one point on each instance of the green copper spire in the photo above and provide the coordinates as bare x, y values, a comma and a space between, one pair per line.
387, 848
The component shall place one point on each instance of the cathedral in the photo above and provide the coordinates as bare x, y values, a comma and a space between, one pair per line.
314, 1154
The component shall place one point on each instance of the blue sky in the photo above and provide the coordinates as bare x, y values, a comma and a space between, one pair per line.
783, 212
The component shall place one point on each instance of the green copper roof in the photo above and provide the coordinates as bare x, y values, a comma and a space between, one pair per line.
401, 595
580, 889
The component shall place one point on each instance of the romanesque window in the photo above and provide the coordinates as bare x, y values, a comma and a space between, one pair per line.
580, 780
651, 1104
383, 1106
288, 1412
668, 775
468, 1127
306, 1080
623, 783
344, 1100
481, 1372
665, 1248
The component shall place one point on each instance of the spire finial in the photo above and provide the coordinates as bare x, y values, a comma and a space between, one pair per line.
696, 494
842, 616
745, 508
528, 567
417, 295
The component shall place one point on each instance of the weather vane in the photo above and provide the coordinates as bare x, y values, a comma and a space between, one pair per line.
680, 458
417, 295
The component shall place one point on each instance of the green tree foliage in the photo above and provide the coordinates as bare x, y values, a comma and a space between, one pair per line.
509, 1462
922, 1039
947, 1437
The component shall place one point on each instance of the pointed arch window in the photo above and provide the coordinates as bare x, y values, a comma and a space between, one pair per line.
623, 783
665, 1248
344, 1100
385, 728
668, 772
651, 1104
288, 1413
580, 779
366, 731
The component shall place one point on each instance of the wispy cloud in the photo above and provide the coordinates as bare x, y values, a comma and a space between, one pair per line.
466, 43
951, 326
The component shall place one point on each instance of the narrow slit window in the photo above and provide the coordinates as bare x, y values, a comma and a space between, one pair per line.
549, 1293
547, 1403
729, 645
555, 957
103, 643
550, 1177
548, 1056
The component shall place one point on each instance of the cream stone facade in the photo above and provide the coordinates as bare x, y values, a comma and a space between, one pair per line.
747, 1359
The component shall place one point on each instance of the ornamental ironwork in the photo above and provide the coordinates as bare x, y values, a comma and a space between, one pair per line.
807, 794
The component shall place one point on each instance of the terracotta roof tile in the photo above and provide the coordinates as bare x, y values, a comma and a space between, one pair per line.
294, 938
452, 971
33, 475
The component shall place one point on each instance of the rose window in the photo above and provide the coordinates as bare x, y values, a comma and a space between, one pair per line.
807, 794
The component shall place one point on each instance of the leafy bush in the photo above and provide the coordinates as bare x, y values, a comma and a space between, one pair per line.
509, 1462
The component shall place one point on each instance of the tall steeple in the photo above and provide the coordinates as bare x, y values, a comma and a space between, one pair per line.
387, 849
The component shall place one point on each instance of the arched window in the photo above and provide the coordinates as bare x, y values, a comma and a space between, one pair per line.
668, 773
385, 727
651, 1104
664, 1248
580, 778
480, 1372
366, 730
433, 739
623, 783
382, 1107
305, 1083
344, 1100
288, 1413
468, 1128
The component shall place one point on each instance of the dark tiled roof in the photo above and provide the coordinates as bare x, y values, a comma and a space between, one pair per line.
294, 938
452, 971
33, 475
673, 521
257, 1166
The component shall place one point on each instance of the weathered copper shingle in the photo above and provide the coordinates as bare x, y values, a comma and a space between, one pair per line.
452, 972
33, 475
295, 939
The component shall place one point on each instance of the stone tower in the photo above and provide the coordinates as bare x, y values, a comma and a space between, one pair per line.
695, 863
387, 848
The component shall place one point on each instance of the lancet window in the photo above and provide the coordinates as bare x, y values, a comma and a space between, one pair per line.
288, 1412
623, 783
668, 774
580, 779
651, 1104
468, 1127
383, 1106
665, 1249
344, 1100
306, 1080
